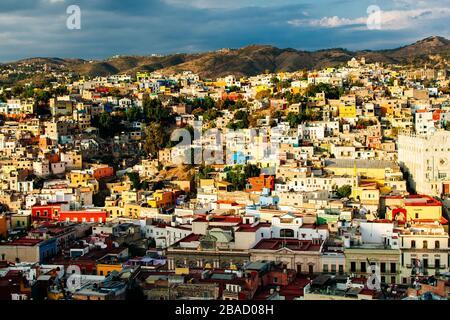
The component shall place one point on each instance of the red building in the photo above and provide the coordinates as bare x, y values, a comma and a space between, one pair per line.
257, 184
232, 96
49, 211
84, 216
103, 172
102, 90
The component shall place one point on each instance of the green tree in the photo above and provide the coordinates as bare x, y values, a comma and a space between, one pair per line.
447, 126
238, 175
331, 92
240, 120
156, 139
155, 112
133, 113
204, 171
211, 114
294, 119
38, 182
105, 123
344, 192
135, 180
17, 90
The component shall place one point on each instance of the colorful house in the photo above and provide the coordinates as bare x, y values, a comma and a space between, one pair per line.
257, 184
100, 172
3, 227
84, 216
162, 199
418, 208
49, 211
347, 111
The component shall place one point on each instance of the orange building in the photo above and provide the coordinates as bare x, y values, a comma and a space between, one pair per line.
53, 157
257, 184
44, 143
3, 226
233, 96
102, 172
84, 216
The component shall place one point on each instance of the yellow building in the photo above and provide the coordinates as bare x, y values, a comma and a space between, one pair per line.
417, 207
79, 178
204, 183
161, 199
82, 118
118, 187
114, 211
129, 196
263, 88
357, 261
132, 210
366, 169
28, 107
24, 164
366, 193
104, 269
347, 111
220, 84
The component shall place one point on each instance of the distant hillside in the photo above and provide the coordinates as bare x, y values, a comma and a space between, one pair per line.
250, 60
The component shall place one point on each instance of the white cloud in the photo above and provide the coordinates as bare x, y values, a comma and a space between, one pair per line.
390, 20
229, 4
327, 22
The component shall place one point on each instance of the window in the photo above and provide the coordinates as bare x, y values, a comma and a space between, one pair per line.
325, 268
393, 280
417, 216
286, 233
437, 263
383, 267
425, 244
363, 267
437, 244
341, 268
413, 244
353, 266
393, 267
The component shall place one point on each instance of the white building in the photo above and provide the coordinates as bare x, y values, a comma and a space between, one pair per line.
424, 124
427, 160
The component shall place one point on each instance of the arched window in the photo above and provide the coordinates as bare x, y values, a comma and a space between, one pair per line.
425, 244
286, 233
437, 244
413, 243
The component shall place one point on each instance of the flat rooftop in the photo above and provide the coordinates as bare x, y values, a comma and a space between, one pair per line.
291, 244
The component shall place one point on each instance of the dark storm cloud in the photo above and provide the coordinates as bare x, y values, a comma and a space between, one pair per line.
109, 27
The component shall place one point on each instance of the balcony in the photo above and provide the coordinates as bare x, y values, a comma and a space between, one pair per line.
436, 267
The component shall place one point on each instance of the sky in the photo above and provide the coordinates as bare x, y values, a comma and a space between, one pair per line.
38, 28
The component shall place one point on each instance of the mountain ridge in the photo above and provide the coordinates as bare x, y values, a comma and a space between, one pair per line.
247, 61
